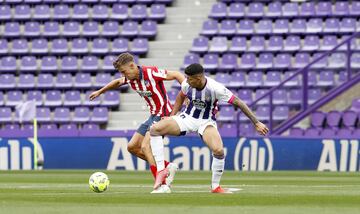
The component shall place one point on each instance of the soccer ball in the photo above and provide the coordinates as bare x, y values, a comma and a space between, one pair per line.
99, 182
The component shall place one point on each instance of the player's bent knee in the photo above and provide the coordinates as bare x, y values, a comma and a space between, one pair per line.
218, 152
132, 148
155, 130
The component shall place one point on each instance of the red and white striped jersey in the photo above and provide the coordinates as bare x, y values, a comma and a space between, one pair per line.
151, 87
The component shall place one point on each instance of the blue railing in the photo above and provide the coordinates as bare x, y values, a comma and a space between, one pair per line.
304, 88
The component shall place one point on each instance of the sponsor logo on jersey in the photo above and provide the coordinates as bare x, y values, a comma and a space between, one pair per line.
199, 104
144, 93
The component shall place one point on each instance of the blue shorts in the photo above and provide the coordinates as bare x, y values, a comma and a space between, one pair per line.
144, 127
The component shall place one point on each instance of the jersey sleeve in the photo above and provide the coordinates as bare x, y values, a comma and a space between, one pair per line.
184, 87
159, 74
224, 94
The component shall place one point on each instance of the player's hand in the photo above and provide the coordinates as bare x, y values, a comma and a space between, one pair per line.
187, 101
94, 95
261, 128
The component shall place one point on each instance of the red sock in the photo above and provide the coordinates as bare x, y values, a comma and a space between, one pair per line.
166, 163
153, 170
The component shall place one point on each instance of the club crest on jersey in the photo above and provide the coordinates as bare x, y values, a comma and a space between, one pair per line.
199, 104
144, 93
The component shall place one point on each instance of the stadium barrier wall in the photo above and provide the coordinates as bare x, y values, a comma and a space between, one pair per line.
242, 154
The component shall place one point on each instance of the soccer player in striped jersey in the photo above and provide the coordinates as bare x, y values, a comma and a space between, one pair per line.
199, 116
148, 82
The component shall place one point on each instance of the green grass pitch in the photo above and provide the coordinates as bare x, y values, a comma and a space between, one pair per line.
129, 192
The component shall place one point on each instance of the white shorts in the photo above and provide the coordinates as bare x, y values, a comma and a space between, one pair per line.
189, 124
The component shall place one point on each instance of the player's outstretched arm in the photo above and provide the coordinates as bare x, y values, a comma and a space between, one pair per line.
180, 98
175, 75
259, 126
110, 86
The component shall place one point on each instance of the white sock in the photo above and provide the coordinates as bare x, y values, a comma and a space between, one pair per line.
157, 148
217, 168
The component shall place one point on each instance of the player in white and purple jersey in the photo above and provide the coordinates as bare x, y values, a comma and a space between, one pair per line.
199, 116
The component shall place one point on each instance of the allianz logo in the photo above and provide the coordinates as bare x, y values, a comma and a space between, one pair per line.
254, 155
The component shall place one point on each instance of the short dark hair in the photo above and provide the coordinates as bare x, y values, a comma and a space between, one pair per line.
122, 60
194, 69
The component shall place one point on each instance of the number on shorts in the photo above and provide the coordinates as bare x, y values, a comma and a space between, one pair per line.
182, 116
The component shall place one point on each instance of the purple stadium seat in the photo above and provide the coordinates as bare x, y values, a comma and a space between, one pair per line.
348, 25
59, 47
332, 25
324, 8
227, 28
218, 45
138, 12
248, 60
228, 62
263, 112
320, 64
264, 26
237, 79
223, 78
100, 46
255, 10
200, 45
246, 129
311, 43
317, 119
157, 12
265, 60
51, 29
274, 9
26, 81
298, 26
28, 64
296, 132
45, 81
295, 97
282, 61
227, 113
218, 10
110, 29
255, 79
355, 105
90, 29
257, 43
290, 9
326, 79
72, 98
22, 12
49, 64
79, 46
307, 9
190, 59
71, 29
275, 43
31, 29
338, 60
246, 27
4, 47
312, 132
111, 99
281, 26
41, 12
236, 10
5, 114
259, 93
281, 113
8, 64
36, 96
227, 129
87, 102
43, 115
61, 12
356, 133
273, 78
7, 81
53, 98
39, 47
314, 95
99, 115
100, 12
238, 44
344, 133
245, 95
328, 133
130, 29
342, 77
355, 8
301, 60
69, 64
102, 79
355, 60
82, 80
139, 46
68, 129
14, 98
63, 81
20, 46
349, 118
292, 43
312, 78
341, 8
119, 12
328, 43
5, 12
333, 118
48, 129
81, 115
210, 28
89, 64
90, 127
62, 115
119, 45
210, 61
80, 12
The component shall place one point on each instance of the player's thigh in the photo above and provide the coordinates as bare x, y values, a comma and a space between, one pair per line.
167, 126
213, 140
136, 141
